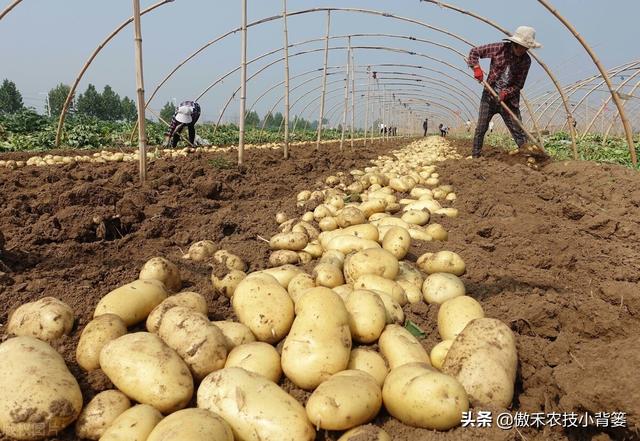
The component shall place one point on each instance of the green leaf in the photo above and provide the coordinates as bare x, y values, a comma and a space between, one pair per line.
414, 329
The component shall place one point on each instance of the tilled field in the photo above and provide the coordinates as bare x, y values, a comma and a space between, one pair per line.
554, 253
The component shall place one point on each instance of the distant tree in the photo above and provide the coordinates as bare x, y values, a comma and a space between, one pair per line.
90, 103
168, 111
10, 98
278, 119
111, 105
252, 120
57, 97
129, 109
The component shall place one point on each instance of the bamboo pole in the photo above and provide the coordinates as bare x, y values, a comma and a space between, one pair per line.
324, 78
286, 80
74, 87
346, 98
142, 137
243, 83
353, 88
616, 98
613, 121
366, 114
9, 8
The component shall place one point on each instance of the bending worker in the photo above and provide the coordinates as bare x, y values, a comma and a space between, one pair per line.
510, 65
187, 114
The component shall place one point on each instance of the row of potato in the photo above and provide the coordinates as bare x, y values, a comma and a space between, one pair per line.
105, 156
354, 296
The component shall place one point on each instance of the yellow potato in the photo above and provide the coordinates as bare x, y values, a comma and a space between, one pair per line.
427, 204
319, 343
148, 371
419, 234
187, 299
440, 287
416, 217
322, 211
455, 314
235, 333
95, 335
230, 260
333, 257
46, 319
303, 196
418, 192
228, 284
437, 232
343, 291
255, 407
413, 293
264, 306
198, 342
134, 424
162, 270
400, 347
378, 283
395, 314
314, 249
368, 432
347, 399
370, 362
328, 223
449, 212
442, 262
420, 396
397, 241
283, 274
39, 397
349, 216
299, 284
439, 353
328, 275
375, 261
192, 425
283, 257
367, 316
307, 217
364, 231
307, 228
373, 206
201, 251
100, 413
484, 359
289, 241
133, 302
260, 358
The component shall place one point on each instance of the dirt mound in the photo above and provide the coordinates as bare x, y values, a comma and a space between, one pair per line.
553, 253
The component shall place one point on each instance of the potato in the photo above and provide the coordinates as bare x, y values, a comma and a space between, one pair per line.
368, 432
440, 287
378, 283
46, 319
349, 216
187, 299
255, 407
397, 241
283, 274
420, 396
299, 284
370, 362
484, 359
347, 399
416, 217
373, 206
375, 261
40, 397
364, 231
287, 226
428, 204
413, 293
281, 217
134, 424
439, 353
418, 192
442, 262
235, 334
289, 241
328, 223
304, 257
283, 257
343, 291
328, 275
100, 413
148, 371
407, 271
367, 316
455, 314
134, 301
319, 343
336, 201
314, 249
419, 234
449, 212
260, 358
192, 425
333, 257
201, 251
395, 314
303, 196
163, 270
437, 232
95, 335
307, 228
399, 347
230, 260
264, 306
451, 197
198, 342
392, 221
322, 211
228, 284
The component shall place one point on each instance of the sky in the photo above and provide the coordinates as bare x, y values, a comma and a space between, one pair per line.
46, 42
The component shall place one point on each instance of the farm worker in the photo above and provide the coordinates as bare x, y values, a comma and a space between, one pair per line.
425, 126
491, 126
468, 124
187, 114
509, 68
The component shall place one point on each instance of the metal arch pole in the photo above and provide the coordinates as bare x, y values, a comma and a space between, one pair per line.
9, 8
324, 79
353, 87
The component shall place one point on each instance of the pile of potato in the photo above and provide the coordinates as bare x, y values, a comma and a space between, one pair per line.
319, 328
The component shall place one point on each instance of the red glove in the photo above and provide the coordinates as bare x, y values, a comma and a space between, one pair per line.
478, 73
503, 95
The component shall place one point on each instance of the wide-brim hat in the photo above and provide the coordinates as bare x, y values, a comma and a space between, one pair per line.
525, 36
183, 118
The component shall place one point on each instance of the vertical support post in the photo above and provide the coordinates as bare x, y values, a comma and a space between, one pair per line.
243, 84
286, 80
353, 93
368, 102
347, 73
142, 133
324, 78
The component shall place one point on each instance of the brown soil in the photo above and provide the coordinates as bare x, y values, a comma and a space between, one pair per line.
554, 253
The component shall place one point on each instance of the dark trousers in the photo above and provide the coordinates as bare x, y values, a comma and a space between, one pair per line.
489, 107
425, 131
176, 128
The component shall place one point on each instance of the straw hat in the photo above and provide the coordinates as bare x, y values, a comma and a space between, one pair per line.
525, 36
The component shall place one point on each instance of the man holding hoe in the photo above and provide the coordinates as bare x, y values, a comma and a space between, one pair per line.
508, 73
